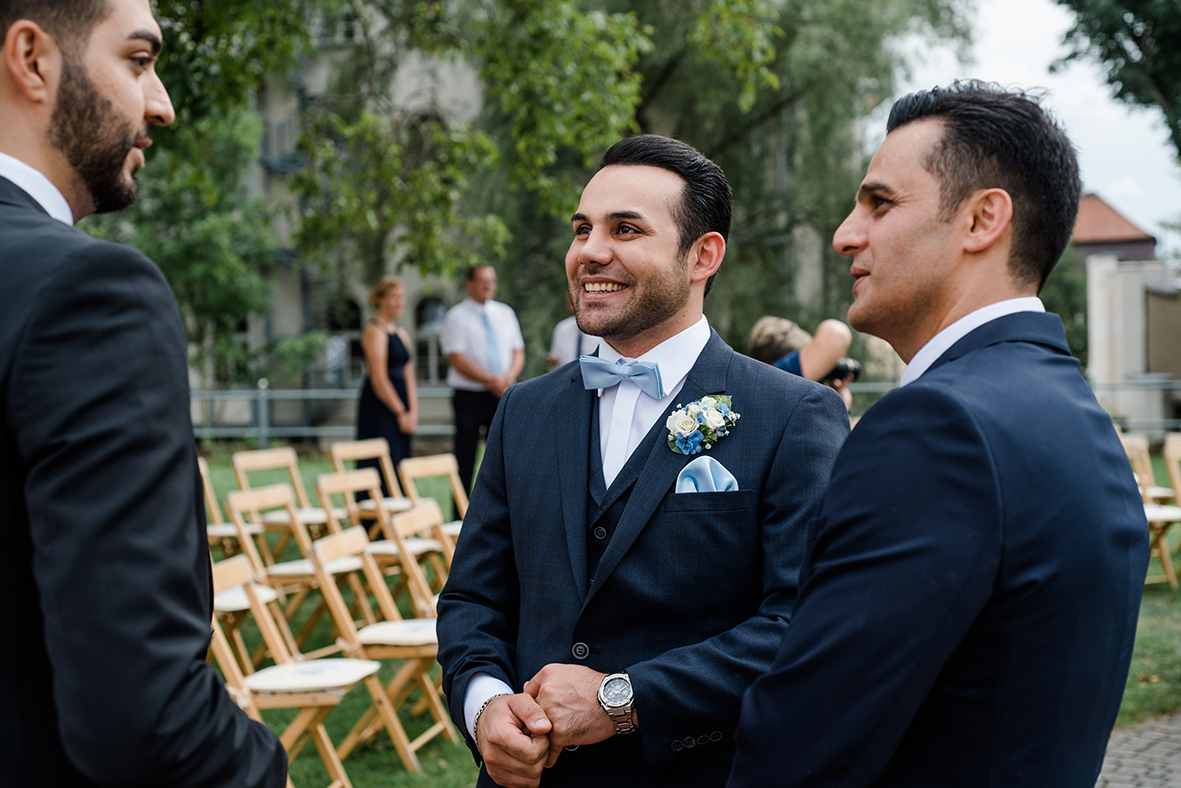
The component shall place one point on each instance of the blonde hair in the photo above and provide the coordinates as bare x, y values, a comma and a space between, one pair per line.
772, 338
382, 289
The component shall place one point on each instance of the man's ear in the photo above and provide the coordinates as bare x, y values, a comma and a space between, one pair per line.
990, 212
33, 61
706, 256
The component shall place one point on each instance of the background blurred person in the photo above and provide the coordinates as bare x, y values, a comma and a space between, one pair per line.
482, 340
568, 342
388, 407
783, 344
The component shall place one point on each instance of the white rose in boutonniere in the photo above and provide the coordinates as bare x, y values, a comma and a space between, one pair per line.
699, 425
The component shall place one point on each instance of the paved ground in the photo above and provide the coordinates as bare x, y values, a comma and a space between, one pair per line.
1147, 755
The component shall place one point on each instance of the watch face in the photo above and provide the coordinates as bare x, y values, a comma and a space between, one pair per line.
617, 692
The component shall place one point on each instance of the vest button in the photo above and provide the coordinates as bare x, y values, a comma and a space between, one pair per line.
715, 736
703, 739
580, 651
689, 741
600, 532
677, 746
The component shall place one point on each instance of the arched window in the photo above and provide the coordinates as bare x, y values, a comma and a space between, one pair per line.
344, 363
429, 361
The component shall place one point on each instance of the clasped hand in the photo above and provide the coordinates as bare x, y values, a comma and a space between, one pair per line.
518, 735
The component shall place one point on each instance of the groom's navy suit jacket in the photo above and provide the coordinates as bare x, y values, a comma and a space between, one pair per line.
971, 586
104, 564
692, 592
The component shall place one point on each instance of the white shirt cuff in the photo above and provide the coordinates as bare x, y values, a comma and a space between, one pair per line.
479, 689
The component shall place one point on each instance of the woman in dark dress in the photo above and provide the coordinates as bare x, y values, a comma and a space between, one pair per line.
389, 400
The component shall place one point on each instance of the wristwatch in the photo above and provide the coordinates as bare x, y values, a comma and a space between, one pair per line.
617, 699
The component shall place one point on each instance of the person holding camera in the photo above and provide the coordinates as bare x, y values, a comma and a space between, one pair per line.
783, 344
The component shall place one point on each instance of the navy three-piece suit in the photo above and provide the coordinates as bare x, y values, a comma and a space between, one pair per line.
970, 592
688, 593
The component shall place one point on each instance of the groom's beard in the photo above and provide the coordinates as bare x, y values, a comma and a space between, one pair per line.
95, 139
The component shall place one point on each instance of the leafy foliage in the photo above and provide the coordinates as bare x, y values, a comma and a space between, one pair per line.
1139, 42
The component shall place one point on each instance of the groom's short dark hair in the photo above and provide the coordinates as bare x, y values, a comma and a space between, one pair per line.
70, 22
706, 200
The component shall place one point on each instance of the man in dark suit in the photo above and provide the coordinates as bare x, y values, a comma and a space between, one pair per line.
971, 586
104, 570
582, 570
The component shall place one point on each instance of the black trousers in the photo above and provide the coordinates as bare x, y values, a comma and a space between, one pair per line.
473, 410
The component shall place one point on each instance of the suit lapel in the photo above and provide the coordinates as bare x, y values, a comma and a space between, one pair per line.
14, 195
574, 453
660, 470
1043, 328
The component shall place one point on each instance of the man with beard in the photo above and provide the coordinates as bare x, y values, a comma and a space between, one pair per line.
629, 559
105, 568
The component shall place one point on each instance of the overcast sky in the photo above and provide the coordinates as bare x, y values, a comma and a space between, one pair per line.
1124, 152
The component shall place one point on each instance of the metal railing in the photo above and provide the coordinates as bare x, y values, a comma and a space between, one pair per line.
255, 417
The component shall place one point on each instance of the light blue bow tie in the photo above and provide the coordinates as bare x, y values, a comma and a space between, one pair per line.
598, 373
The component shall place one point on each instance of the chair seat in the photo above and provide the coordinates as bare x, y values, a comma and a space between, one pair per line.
230, 531
411, 632
234, 600
390, 504
1160, 493
315, 674
452, 528
303, 566
1159, 513
415, 545
312, 515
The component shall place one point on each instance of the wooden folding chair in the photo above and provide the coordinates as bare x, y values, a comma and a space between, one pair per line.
375, 449
314, 688
298, 577
427, 543
1161, 517
222, 534
284, 459
412, 469
1171, 452
1136, 447
413, 641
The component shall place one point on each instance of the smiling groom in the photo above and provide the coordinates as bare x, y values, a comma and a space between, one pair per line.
611, 597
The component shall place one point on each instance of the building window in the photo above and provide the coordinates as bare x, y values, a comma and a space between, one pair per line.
429, 360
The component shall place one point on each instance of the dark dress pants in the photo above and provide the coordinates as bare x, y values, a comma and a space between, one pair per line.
473, 410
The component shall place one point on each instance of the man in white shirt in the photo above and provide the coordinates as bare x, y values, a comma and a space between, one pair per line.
486, 353
629, 558
104, 569
569, 343
968, 602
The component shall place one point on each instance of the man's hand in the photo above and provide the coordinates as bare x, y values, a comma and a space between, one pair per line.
511, 737
569, 694
499, 384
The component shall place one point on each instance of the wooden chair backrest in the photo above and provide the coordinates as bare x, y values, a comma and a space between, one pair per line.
413, 468
246, 505
421, 521
346, 484
211, 505
1172, 455
370, 449
268, 460
239, 571
351, 541
1136, 447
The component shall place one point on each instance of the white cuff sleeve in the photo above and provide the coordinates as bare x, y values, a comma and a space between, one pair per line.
479, 689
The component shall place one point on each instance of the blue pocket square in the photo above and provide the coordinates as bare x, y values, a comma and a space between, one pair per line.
705, 474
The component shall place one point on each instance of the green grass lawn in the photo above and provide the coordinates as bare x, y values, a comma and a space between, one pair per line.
1153, 688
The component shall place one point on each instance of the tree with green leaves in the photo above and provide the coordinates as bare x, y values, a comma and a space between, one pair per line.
1139, 43
196, 217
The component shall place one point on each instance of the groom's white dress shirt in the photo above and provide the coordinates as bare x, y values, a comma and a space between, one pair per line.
626, 415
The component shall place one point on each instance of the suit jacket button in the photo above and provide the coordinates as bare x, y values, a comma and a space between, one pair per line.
689, 741
580, 651
600, 532
677, 746
715, 736
703, 739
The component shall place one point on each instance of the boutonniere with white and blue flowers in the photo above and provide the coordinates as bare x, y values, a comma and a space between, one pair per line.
700, 424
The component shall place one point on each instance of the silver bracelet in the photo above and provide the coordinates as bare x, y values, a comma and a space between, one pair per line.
476, 720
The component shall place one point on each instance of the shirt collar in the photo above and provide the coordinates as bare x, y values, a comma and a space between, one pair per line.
940, 343
675, 356
36, 185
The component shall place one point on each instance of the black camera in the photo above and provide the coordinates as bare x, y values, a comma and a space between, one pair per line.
844, 368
